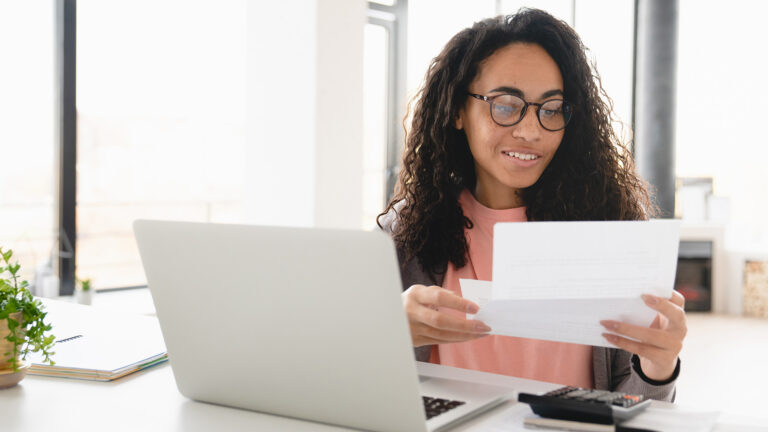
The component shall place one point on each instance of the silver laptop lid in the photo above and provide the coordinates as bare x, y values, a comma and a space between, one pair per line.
305, 323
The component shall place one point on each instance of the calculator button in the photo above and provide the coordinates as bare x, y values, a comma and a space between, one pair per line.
577, 393
561, 391
594, 394
609, 397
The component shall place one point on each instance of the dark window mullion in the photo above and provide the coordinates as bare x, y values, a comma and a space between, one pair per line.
66, 11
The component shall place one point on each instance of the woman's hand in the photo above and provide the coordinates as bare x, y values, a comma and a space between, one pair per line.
660, 344
431, 325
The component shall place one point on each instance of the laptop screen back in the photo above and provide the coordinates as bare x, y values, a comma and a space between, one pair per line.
305, 323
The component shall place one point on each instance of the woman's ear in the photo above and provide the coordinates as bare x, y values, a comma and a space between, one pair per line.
459, 122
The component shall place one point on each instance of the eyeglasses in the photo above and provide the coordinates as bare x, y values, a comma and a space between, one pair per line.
509, 110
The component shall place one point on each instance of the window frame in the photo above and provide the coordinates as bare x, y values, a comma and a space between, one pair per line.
395, 20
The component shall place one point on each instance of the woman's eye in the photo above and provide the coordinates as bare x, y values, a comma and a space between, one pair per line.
551, 109
551, 112
505, 110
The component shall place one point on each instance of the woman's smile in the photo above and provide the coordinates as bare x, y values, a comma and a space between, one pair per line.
522, 158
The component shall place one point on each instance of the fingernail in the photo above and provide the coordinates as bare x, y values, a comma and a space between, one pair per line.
472, 308
651, 300
482, 327
611, 325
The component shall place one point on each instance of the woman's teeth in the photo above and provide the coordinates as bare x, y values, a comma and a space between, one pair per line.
522, 156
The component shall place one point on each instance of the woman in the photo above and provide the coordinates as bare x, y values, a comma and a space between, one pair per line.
510, 126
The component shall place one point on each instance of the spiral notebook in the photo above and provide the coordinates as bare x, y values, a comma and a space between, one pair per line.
99, 345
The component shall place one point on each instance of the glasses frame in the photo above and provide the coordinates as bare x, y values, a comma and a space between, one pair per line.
524, 111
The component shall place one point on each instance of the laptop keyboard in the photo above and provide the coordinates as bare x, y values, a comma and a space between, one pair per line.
436, 406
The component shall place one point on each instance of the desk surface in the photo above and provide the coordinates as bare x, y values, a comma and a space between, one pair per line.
149, 401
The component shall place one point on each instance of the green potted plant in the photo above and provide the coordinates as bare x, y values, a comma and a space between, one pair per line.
84, 292
22, 324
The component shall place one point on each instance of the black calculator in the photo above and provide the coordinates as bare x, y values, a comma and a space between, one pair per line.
585, 405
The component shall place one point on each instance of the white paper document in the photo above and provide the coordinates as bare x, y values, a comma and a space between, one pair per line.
557, 280
658, 417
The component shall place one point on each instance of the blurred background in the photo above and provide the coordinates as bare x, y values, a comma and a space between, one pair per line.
290, 113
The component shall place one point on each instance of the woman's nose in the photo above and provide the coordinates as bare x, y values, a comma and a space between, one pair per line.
529, 128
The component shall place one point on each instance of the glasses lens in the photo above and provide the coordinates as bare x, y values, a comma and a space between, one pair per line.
554, 114
507, 109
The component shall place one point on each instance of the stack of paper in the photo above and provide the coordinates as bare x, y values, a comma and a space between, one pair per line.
557, 280
99, 345
660, 416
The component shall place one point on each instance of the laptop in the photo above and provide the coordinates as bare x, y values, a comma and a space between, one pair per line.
299, 322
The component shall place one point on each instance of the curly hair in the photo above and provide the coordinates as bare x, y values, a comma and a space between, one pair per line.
591, 176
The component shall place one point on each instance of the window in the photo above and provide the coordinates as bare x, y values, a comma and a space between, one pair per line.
375, 121
161, 133
423, 45
27, 133
384, 103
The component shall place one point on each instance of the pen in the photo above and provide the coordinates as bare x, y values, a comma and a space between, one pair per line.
574, 426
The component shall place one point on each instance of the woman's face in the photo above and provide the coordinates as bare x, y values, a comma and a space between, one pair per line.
510, 158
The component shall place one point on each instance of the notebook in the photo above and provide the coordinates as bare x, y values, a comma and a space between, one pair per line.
98, 345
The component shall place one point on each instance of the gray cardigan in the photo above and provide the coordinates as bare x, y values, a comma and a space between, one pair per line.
613, 369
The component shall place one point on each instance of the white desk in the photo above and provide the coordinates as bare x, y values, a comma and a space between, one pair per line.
149, 401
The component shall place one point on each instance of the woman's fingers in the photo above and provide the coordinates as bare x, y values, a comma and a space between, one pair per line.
678, 299
423, 312
425, 332
443, 321
667, 335
672, 311
649, 336
652, 353
441, 297
425, 340
431, 325
658, 346
445, 336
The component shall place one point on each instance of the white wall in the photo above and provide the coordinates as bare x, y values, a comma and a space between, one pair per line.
339, 127
304, 128
721, 109
431, 24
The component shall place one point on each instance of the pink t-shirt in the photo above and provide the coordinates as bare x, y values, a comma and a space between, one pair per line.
556, 362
